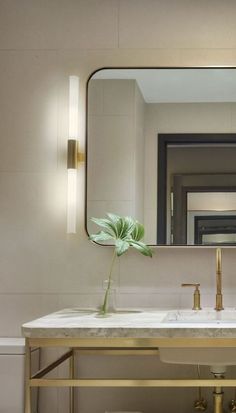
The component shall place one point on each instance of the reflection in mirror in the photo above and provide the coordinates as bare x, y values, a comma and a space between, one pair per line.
160, 148
211, 218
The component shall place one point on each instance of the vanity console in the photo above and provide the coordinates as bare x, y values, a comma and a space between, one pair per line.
125, 333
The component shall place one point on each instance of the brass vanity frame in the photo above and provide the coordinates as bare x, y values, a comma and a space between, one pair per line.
113, 346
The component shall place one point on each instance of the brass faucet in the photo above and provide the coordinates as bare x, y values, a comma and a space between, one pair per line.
219, 296
196, 295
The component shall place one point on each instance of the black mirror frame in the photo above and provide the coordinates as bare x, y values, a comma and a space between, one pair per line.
162, 153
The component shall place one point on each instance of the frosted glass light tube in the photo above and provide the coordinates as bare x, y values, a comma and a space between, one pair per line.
73, 106
72, 169
71, 201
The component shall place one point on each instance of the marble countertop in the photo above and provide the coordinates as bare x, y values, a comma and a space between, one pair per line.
83, 323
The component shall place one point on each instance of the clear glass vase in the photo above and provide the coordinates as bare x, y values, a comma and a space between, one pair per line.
109, 299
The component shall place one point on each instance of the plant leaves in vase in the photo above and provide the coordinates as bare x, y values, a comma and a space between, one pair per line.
125, 232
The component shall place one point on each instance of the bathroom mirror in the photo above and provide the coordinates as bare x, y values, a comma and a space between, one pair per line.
161, 147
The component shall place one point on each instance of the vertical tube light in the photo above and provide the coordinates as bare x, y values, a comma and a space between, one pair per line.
72, 154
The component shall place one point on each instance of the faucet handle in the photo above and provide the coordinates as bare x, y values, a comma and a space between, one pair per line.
196, 285
196, 295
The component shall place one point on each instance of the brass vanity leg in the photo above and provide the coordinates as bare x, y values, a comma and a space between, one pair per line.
72, 373
218, 400
27, 377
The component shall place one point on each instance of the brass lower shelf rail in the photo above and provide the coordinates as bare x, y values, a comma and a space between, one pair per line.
131, 382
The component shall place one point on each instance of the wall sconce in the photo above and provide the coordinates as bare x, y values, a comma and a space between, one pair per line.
73, 155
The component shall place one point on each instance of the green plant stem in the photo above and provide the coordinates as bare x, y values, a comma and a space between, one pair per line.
104, 306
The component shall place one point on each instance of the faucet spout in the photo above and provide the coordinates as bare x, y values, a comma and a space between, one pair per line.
219, 296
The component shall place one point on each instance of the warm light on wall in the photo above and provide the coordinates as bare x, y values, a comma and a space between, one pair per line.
73, 155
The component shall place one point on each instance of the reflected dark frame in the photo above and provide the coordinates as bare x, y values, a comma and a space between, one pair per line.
178, 139
213, 225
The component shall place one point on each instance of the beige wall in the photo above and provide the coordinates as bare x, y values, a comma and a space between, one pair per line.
41, 268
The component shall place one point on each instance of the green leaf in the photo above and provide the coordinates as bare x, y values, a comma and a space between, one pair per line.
113, 217
101, 236
106, 224
127, 227
119, 227
141, 247
118, 224
121, 247
138, 232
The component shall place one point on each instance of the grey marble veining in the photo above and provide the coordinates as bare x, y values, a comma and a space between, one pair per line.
81, 323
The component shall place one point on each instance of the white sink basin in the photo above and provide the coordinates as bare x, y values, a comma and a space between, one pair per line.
206, 316
196, 355
210, 356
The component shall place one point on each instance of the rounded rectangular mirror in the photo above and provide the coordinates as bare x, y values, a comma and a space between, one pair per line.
161, 147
